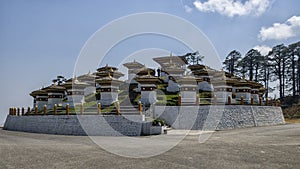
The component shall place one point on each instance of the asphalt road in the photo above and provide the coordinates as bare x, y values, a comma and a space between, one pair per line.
260, 147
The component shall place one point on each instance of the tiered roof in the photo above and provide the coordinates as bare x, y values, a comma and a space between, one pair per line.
74, 83
133, 65
108, 70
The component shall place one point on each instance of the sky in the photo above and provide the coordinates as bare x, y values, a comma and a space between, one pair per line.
40, 39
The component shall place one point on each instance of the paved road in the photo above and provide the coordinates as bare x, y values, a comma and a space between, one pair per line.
261, 147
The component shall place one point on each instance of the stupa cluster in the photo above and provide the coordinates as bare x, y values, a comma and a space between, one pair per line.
174, 71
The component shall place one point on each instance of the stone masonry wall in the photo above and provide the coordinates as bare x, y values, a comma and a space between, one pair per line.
102, 125
215, 117
219, 117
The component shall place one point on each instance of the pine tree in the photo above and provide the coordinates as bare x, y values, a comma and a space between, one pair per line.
231, 62
250, 64
278, 58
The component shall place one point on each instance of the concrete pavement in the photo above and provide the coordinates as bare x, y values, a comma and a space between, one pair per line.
259, 147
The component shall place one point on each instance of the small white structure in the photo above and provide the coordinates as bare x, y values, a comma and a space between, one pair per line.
56, 94
132, 70
188, 90
242, 88
108, 84
174, 73
142, 72
109, 88
75, 91
223, 89
148, 88
255, 91
40, 98
88, 78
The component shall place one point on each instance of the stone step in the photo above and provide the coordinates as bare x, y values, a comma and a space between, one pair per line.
188, 104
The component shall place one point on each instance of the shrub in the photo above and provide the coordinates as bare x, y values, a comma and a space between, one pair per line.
158, 122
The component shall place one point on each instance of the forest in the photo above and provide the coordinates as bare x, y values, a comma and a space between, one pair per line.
281, 66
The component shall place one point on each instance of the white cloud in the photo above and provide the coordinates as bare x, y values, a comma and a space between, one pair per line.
264, 50
188, 9
281, 31
233, 7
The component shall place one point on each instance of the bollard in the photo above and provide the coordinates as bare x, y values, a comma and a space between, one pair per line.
45, 110
260, 101
15, 111
271, 102
28, 111
215, 99
55, 109
242, 100
229, 100
140, 108
266, 102
99, 108
252, 101
179, 100
36, 110
23, 111
18, 111
67, 109
81, 108
118, 108
197, 101
9, 112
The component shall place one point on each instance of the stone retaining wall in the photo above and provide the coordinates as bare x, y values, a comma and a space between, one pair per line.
99, 125
219, 117
215, 117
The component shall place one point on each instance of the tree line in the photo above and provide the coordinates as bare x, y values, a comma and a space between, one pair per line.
281, 65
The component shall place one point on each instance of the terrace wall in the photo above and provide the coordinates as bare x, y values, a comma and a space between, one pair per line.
219, 117
99, 125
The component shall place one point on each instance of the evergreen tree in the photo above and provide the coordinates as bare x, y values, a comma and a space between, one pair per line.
278, 58
293, 68
250, 64
231, 62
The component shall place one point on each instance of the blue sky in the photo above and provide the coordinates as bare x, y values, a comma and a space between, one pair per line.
40, 39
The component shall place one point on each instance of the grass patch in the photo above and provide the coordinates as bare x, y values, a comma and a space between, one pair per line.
287, 120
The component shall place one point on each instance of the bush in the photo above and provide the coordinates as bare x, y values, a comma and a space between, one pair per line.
158, 122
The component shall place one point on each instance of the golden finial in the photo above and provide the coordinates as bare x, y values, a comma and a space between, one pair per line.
149, 72
109, 76
111, 69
